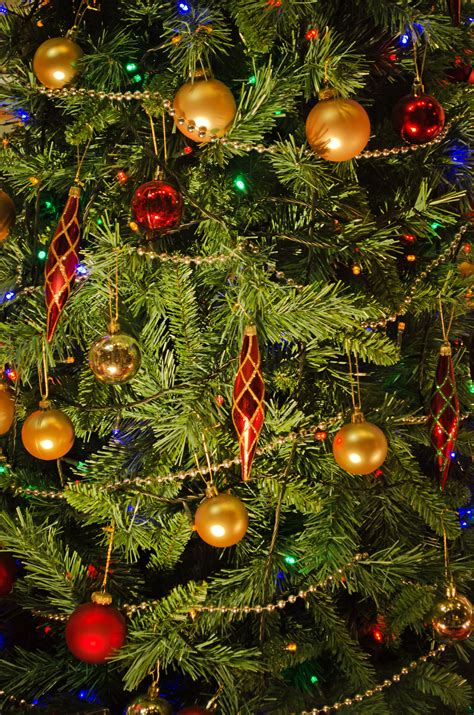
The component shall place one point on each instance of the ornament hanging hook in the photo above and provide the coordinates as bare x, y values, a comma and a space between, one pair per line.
110, 530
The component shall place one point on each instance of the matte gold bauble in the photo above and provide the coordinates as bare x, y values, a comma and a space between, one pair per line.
204, 105
149, 704
47, 434
453, 617
360, 447
337, 129
115, 358
55, 62
7, 214
7, 408
221, 519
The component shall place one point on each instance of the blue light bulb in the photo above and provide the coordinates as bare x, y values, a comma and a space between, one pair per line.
82, 270
404, 40
183, 8
10, 295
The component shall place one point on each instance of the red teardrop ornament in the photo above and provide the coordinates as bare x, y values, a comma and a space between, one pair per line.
444, 415
247, 405
62, 261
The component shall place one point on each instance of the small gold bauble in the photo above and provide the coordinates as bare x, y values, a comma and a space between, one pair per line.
115, 358
360, 447
207, 105
48, 434
453, 617
221, 520
55, 62
338, 129
7, 214
149, 704
7, 408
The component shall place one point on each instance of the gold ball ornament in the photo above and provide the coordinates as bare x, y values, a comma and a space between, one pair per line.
221, 519
7, 408
205, 105
7, 214
452, 617
360, 447
55, 62
115, 359
47, 434
149, 704
337, 129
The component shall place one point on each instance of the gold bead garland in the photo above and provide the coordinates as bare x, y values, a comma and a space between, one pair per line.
224, 141
218, 467
348, 702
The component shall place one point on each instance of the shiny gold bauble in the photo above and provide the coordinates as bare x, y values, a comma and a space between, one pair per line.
360, 447
206, 105
221, 520
7, 214
149, 704
115, 358
47, 434
55, 62
453, 617
337, 129
7, 408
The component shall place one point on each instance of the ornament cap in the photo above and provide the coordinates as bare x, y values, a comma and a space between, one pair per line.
357, 416
418, 88
114, 327
45, 404
327, 93
153, 691
101, 598
251, 330
201, 73
445, 349
75, 192
211, 491
451, 590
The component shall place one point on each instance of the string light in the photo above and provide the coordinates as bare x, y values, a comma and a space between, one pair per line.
290, 560
42, 255
240, 184
121, 176
312, 34
131, 67
82, 270
314, 679
252, 79
411, 258
183, 8
10, 295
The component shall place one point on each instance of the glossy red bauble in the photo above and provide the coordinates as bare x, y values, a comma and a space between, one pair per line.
156, 207
8, 573
194, 710
95, 632
418, 119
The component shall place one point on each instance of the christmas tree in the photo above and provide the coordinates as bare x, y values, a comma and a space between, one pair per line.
235, 330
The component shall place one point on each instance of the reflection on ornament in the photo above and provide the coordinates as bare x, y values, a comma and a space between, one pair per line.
337, 129
418, 119
115, 358
47, 434
204, 108
157, 206
7, 214
360, 447
453, 616
55, 61
221, 519
7, 408
149, 704
96, 630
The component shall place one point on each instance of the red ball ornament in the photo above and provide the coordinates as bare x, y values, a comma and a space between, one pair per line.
94, 632
8, 573
418, 119
194, 710
156, 207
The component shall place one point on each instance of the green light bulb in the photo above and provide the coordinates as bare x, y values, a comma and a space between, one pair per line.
3, 469
137, 78
239, 183
42, 255
48, 204
435, 225
252, 79
99, 222
470, 386
290, 560
278, 112
314, 679
131, 67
